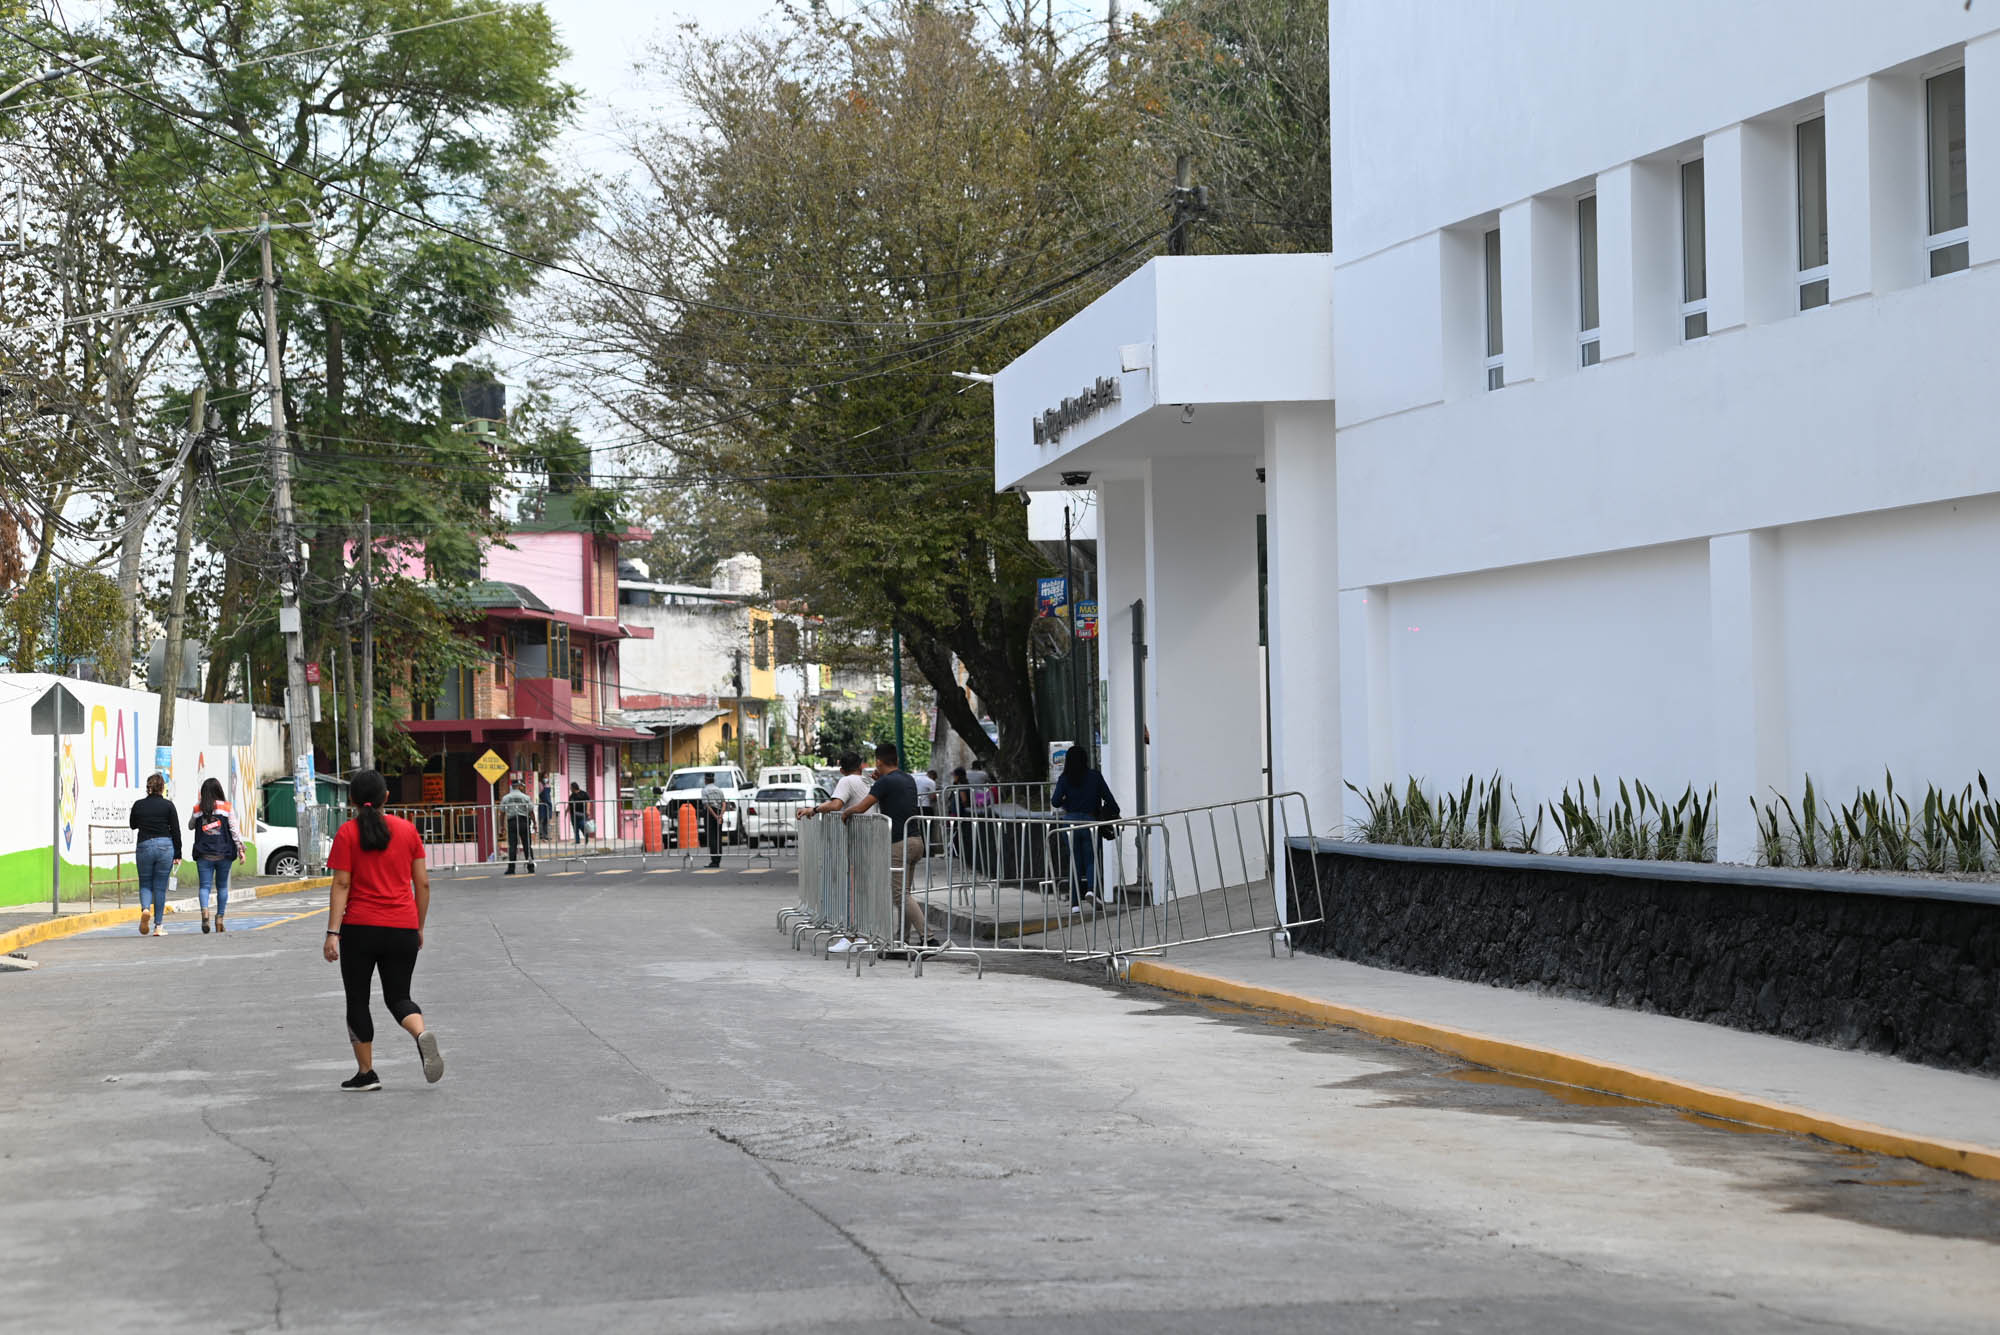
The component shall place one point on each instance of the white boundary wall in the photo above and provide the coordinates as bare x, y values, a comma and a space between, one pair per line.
1730, 561
104, 771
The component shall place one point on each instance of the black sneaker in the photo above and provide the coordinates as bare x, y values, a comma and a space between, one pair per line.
366, 1080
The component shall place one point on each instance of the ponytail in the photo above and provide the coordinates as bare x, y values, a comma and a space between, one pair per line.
369, 791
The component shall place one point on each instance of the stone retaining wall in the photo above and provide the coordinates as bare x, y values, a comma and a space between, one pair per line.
1900, 965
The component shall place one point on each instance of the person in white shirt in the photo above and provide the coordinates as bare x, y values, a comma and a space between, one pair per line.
927, 788
847, 794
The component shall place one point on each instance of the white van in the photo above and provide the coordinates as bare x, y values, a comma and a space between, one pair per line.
786, 776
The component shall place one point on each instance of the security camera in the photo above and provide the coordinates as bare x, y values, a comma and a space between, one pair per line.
1076, 479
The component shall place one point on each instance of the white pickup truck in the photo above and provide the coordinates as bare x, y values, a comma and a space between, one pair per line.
684, 788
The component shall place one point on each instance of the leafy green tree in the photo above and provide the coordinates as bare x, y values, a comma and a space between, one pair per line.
403, 139
59, 619
849, 212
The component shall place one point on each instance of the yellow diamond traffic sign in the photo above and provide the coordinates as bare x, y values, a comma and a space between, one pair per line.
490, 767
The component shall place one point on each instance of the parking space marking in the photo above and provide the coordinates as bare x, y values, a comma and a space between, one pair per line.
280, 922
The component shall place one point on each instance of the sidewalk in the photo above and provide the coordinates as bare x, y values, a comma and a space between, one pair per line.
1949, 1119
22, 927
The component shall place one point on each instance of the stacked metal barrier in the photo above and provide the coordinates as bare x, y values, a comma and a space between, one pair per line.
847, 891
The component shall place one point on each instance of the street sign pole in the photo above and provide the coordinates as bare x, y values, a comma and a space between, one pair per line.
60, 715
55, 822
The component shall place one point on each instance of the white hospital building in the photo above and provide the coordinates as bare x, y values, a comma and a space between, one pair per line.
1642, 423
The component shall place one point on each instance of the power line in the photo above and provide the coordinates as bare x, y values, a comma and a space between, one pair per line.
469, 238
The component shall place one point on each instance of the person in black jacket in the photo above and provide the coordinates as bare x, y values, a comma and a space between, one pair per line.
215, 847
158, 854
1082, 795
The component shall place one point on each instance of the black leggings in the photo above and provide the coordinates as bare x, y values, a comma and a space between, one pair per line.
364, 949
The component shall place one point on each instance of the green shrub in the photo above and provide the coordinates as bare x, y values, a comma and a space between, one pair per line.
1950, 832
1639, 824
1472, 817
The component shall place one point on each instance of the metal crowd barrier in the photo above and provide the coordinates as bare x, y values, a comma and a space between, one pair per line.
1111, 889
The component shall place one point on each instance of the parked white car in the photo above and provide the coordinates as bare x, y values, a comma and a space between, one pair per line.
278, 849
772, 815
684, 787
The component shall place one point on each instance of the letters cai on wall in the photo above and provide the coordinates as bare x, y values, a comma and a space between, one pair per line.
1051, 423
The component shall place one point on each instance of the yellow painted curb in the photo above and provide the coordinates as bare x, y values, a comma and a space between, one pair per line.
71, 924
1565, 1068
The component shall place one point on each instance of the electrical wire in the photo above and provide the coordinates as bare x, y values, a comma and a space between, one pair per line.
392, 210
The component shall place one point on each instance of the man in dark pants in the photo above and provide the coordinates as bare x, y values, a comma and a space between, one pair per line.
712, 801
545, 807
519, 813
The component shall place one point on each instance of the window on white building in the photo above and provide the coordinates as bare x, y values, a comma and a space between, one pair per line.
1496, 373
1944, 105
1586, 280
1694, 253
1811, 137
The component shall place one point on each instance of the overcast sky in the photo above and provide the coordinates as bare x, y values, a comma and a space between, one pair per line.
605, 41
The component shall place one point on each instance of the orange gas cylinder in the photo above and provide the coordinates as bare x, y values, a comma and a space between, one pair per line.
686, 832
650, 830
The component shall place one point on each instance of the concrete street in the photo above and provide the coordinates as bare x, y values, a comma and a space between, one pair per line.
657, 1117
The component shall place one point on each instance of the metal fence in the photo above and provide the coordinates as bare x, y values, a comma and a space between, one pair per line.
1111, 889
460, 836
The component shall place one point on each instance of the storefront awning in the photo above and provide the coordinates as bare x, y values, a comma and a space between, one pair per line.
507, 729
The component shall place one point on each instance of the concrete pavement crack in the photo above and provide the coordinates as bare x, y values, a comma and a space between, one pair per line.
846, 1235
576, 1019
281, 1262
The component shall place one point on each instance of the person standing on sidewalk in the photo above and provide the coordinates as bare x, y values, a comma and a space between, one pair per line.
713, 800
1082, 796
579, 810
545, 807
895, 793
375, 922
158, 853
519, 814
215, 847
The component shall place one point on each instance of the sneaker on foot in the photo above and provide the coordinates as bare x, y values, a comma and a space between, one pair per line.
531, 869
508, 872
365, 1080
427, 1048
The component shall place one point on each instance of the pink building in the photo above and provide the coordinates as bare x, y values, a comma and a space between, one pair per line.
540, 701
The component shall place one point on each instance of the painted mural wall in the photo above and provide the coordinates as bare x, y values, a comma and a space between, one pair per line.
80, 798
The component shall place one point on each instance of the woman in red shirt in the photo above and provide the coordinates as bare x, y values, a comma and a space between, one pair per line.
381, 897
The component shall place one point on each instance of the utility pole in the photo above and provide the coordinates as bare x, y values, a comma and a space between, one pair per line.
1190, 203
738, 677
896, 658
170, 664
1075, 645
290, 624
367, 740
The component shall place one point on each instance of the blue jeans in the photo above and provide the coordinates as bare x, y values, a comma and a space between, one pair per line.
155, 859
1082, 860
218, 873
